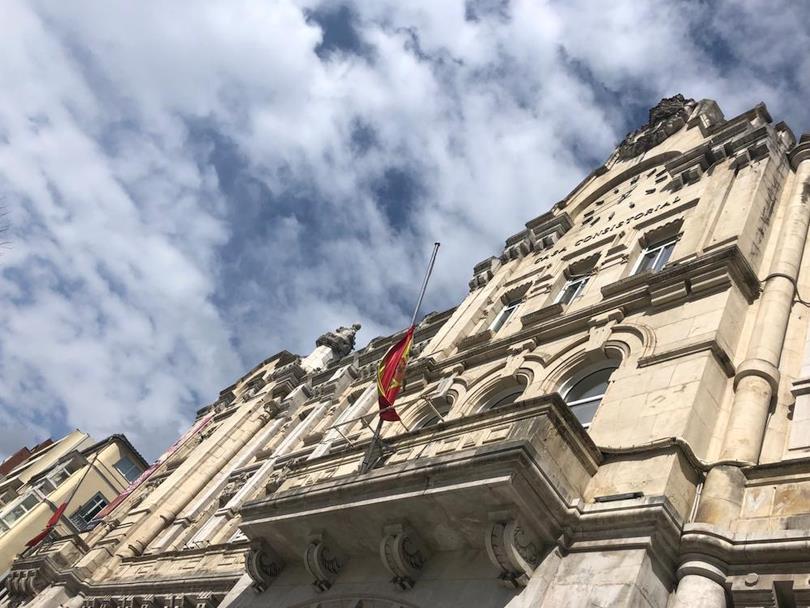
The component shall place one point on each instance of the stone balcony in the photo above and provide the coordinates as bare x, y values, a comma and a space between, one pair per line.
37, 567
506, 481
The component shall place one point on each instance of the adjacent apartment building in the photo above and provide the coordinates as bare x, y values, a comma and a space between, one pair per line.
616, 415
74, 469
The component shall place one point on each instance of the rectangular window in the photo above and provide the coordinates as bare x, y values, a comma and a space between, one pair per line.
85, 514
503, 316
572, 290
20, 508
655, 257
128, 469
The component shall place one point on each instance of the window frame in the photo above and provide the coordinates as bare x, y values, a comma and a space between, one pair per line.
493, 399
659, 248
80, 514
504, 314
134, 467
20, 503
580, 375
580, 281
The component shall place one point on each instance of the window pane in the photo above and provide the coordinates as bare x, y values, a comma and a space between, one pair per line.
586, 411
45, 486
504, 315
663, 256
93, 506
432, 421
572, 290
647, 261
592, 385
128, 469
505, 400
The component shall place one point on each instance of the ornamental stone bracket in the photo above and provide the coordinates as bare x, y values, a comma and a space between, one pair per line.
263, 565
24, 584
404, 554
323, 560
512, 549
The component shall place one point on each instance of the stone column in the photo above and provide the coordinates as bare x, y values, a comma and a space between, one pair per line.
225, 444
757, 377
700, 586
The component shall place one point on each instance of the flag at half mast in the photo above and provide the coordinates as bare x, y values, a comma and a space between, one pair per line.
391, 375
392, 368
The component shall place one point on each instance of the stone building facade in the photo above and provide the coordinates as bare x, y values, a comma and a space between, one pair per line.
618, 414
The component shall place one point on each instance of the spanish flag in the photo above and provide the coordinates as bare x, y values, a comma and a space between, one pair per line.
391, 375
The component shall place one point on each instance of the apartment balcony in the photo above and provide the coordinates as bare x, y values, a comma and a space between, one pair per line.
505, 481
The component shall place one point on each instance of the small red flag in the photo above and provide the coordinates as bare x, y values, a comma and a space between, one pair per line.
391, 375
49, 526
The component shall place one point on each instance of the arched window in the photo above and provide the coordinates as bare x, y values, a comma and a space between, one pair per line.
502, 398
431, 419
584, 391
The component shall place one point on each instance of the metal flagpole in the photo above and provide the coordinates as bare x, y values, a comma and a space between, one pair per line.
367, 460
425, 282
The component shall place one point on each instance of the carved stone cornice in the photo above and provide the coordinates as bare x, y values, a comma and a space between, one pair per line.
404, 554
323, 559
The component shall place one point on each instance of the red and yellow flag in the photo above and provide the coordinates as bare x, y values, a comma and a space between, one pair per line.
391, 375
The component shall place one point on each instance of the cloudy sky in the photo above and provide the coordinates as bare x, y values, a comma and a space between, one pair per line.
191, 187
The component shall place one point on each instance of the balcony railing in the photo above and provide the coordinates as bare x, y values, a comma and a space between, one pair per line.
520, 468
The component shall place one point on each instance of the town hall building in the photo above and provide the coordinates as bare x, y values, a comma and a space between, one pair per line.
616, 415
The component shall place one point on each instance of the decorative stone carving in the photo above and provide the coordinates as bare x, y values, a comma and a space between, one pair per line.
270, 409
24, 584
513, 550
146, 601
232, 487
263, 565
341, 341
517, 246
666, 118
252, 388
404, 554
287, 377
323, 560
483, 272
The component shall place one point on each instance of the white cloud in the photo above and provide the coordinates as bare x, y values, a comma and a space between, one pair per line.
140, 281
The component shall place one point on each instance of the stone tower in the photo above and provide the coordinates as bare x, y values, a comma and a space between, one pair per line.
617, 414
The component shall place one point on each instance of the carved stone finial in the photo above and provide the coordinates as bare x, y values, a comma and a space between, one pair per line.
263, 565
513, 550
404, 554
323, 560
340, 340
666, 118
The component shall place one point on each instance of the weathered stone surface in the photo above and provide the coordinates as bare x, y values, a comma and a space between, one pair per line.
634, 434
